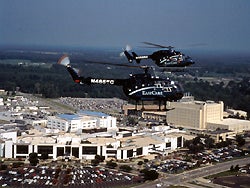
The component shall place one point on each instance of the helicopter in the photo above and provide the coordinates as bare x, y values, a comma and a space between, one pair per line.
139, 87
162, 58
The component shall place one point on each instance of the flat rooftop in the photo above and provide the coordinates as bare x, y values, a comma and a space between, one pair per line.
37, 140
232, 121
138, 141
92, 113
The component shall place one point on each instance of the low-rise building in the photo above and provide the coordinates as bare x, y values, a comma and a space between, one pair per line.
239, 113
123, 145
231, 124
217, 135
154, 115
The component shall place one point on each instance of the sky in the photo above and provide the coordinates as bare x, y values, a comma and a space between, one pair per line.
218, 24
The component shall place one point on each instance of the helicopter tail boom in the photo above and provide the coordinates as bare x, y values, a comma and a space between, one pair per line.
74, 74
135, 56
64, 60
129, 57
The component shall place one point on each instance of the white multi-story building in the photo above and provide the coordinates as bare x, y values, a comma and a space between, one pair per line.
203, 116
81, 121
103, 120
195, 114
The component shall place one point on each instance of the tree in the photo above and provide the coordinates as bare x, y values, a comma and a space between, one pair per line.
33, 159
99, 158
95, 162
125, 168
232, 168
236, 168
44, 156
111, 164
132, 120
223, 144
140, 163
197, 140
149, 174
3, 166
209, 142
240, 140
195, 145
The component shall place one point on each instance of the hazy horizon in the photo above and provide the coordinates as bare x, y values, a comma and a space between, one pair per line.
216, 24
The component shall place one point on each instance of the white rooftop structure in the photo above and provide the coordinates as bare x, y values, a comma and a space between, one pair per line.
81, 121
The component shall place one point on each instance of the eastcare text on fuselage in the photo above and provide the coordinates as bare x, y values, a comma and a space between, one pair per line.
152, 93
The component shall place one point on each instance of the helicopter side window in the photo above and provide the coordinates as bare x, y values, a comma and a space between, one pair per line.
180, 58
168, 89
158, 85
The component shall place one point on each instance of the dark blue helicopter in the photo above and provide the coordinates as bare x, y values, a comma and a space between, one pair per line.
162, 58
139, 87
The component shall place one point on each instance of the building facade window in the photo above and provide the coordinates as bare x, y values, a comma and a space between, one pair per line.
130, 153
89, 150
45, 149
22, 149
60, 151
139, 151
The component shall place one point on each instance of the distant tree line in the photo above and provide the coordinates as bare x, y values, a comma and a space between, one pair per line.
50, 82
54, 81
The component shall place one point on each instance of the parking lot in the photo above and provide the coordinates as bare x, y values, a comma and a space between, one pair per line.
45, 176
180, 162
80, 176
94, 104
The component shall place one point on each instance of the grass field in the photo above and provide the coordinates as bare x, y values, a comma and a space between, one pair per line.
240, 181
231, 179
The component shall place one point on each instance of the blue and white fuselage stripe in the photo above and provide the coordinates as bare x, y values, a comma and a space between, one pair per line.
152, 91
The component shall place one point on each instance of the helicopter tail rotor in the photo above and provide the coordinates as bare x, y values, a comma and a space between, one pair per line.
65, 61
127, 48
126, 53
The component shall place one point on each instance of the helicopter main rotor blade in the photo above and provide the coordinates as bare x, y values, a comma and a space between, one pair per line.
127, 48
119, 65
157, 45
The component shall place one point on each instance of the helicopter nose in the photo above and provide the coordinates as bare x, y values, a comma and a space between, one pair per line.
190, 61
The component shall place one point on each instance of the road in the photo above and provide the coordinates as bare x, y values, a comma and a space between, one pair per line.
188, 176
